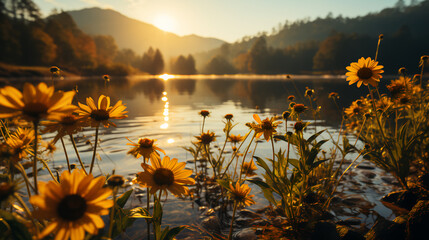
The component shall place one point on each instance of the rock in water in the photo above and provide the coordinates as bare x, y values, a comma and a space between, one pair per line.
246, 234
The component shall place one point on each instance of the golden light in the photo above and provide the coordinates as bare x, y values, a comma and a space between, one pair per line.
164, 93
165, 22
164, 126
166, 119
164, 99
170, 140
166, 76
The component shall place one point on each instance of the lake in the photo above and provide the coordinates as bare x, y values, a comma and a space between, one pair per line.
167, 110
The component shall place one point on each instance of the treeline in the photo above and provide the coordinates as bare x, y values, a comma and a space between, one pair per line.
28, 39
328, 45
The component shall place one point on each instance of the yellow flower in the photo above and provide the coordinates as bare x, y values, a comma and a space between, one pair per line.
240, 194
235, 138
354, 109
74, 205
364, 71
165, 175
20, 143
66, 125
35, 103
146, 148
266, 126
103, 112
206, 138
249, 168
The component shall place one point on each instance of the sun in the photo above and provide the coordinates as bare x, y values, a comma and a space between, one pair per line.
165, 22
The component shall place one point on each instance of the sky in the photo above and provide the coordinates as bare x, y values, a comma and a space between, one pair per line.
229, 20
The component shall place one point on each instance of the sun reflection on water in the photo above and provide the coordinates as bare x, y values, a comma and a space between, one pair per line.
166, 112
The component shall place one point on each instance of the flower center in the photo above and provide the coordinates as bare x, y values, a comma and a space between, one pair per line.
35, 110
163, 176
364, 73
356, 110
266, 125
99, 115
206, 138
72, 207
146, 143
68, 120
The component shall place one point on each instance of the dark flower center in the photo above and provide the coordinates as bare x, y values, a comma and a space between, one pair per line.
99, 115
163, 176
266, 125
356, 110
72, 207
68, 120
364, 73
299, 108
35, 110
146, 143
206, 138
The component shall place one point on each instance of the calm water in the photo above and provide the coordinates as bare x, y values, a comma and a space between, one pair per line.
167, 110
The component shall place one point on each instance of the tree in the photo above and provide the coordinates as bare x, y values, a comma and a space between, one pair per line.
258, 56
152, 62
106, 48
183, 65
219, 65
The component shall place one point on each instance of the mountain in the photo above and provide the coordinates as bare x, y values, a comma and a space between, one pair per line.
137, 35
297, 46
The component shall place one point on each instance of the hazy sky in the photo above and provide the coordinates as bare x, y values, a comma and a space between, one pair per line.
229, 20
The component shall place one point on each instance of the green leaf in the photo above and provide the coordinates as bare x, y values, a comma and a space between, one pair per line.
171, 233
312, 138
157, 212
224, 183
122, 200
139, 212
264, 165
11, 228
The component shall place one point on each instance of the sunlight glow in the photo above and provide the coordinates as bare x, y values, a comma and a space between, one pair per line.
170, 140
166, 76
164, 126
165, 23
164, 99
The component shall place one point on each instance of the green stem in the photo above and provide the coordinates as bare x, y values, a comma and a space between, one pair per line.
274, 155
77, 152
147, 207
235, 153
35, 124
95, 150
244, 157
27, 211
232, 220
112, 213
65, 153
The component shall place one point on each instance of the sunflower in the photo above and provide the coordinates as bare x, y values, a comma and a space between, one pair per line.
354, 109
103, 112
204, 113
20, 142
74, 205
364, 71
299, 108
146, 148
35, 103
266, 126
240, 194
206, 138
248, 168
65, 125
235, 138
165, 175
